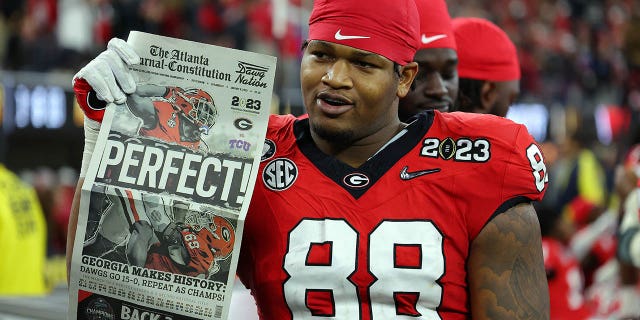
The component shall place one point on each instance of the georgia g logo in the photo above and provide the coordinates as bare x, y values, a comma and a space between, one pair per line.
268, 150
243, 124
356, 180
279, 174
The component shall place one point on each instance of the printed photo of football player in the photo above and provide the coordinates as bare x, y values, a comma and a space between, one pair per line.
143, 230
174, 114
192, 243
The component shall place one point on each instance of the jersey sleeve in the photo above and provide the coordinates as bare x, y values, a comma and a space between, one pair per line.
88, 101
526, 174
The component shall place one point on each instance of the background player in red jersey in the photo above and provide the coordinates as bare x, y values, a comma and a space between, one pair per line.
488, 67
384, 220
436, 85
565, 277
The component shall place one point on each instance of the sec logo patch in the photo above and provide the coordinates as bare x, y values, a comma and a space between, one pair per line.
279, 174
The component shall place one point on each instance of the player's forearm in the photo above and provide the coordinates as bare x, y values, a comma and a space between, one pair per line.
506, 270
73, 224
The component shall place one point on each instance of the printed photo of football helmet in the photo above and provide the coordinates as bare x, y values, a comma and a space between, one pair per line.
198, 107
224, 237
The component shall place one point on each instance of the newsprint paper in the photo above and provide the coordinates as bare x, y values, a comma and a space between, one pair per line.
169, 184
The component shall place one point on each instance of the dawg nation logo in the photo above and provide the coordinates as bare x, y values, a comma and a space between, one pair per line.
251, 74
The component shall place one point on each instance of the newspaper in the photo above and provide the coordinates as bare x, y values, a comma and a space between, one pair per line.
169, 184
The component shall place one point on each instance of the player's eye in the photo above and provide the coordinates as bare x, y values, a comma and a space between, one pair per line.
364, 64
449, 74
320, 55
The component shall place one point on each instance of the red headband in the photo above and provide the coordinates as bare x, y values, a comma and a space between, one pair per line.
385, 27
435, 25
485, 52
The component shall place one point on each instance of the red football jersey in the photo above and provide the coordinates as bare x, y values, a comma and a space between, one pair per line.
566, 282
200, 249
169, 121
387, 240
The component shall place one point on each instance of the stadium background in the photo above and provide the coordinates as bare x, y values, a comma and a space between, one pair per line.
580, 73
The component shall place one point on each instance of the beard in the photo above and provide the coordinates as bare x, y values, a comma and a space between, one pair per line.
337, 137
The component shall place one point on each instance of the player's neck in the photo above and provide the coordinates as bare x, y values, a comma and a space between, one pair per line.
358, 152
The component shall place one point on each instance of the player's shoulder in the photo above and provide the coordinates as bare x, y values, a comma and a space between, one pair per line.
279, 124
280, 135
479, 124
498, 130
277, 121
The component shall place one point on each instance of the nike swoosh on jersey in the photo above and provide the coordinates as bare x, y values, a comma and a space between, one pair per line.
427, 40
406, 175
339, 36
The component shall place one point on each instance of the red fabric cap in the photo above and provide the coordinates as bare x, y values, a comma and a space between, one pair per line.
435, 25
389, 28
485, 52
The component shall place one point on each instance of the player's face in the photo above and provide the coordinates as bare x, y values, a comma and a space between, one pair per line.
506, 94
189, 131
349, 93
435, 86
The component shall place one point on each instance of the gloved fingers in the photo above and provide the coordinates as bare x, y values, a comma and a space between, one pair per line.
98, 76
106, 72
123, 78
120, 69
124, 50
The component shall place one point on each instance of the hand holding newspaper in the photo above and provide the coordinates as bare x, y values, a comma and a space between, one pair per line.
169, 184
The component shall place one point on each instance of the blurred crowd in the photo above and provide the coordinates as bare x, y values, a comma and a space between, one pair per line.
580, 59
572, 52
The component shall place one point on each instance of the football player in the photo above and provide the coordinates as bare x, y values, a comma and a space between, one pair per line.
174, 246
171, 114
436, 84
380, 219
564, 275
488, 67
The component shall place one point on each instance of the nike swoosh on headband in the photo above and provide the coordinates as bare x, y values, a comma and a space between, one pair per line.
339, 36
426, 40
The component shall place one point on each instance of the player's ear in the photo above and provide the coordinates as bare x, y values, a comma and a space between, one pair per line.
406, 73
488, 96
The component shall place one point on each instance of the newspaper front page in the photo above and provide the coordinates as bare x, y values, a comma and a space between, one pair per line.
169, 184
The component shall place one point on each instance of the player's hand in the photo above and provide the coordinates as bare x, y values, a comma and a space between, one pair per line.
106, 79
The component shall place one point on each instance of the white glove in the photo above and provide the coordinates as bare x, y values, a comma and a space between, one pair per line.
109, 75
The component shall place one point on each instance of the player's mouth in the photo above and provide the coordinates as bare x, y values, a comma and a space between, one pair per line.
333, 104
